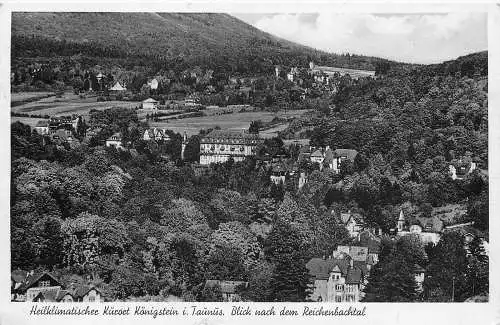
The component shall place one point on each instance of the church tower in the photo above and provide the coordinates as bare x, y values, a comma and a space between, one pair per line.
184, 143
401, 221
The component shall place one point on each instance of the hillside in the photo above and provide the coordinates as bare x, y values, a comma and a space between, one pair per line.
177, 40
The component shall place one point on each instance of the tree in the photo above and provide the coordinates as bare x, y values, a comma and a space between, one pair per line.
447, 269
225, 263
287, 249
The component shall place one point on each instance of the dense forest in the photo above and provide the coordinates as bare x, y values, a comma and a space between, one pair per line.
55, 50
138, 224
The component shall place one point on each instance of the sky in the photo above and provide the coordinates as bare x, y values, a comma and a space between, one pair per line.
414, 38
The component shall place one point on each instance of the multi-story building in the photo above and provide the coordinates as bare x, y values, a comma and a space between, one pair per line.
336, 279
220, 145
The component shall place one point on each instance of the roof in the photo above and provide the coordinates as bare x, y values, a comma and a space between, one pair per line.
418, 269
47, 295
32, 279
43, 123
353, 276
347, 153
231, 136
317, 153
118, 86
346, 217
370, 240
432, 224
150, 100
116, 136
329, 155
320, 268
226, 286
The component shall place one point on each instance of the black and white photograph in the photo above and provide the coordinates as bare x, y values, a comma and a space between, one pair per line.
316, 157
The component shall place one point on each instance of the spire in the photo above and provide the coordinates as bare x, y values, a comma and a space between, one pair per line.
401, 215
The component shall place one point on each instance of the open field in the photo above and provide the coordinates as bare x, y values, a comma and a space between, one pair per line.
235, 121
28, 96
68, 104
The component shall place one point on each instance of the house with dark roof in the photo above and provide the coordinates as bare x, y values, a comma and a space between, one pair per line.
353, 222
230, 289
427, 229
221, 145
115, 141
336, 279
45, 287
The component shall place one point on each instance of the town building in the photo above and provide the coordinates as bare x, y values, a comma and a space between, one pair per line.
221, 145
115, 141
42, 127
427, 229
45, 287
150, 104
459, 169
155, 134
335, 279
279, 173
117, 87
353, 222
229, 289
333, 159
332, 71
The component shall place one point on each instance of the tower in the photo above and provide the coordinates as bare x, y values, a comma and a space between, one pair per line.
401, 221
184, 143
311, 65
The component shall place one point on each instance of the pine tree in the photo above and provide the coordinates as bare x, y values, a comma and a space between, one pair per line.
287, 249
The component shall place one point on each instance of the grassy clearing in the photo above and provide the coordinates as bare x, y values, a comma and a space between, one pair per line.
234, 121
68, 104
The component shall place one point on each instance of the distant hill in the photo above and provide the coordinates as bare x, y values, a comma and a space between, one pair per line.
172, 40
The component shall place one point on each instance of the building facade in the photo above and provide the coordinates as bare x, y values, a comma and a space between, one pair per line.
220, 145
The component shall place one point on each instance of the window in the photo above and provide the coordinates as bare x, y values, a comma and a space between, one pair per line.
339, 287
44, 283
91, 298
338, 298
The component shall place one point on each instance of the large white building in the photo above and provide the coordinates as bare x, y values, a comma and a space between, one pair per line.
220, 145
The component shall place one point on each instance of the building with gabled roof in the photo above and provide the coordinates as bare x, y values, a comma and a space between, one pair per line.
353, 222
117, 87
156, 135
150, 104
229, 289
335, 279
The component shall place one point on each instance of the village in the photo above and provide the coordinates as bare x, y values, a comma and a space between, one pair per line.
238, 166
340, 276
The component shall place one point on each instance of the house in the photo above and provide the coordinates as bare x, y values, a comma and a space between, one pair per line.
42, 127
419, 273
335, 279
150, 104
427, 229
459, 169
45, 287
117, 87
341, 155
115, 141
353, 222
229, 289
317, 157
156, 135
278, 173
34, 283
220, 145
368, 239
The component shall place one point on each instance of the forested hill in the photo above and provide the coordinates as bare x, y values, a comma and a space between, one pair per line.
176, 40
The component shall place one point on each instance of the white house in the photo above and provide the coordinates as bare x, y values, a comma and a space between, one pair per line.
150, 104
115, 141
